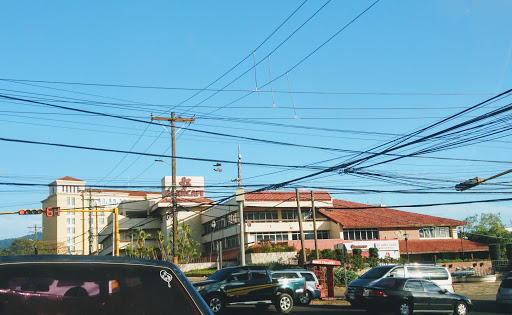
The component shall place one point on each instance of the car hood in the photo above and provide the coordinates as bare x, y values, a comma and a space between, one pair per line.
206, 282
362, 282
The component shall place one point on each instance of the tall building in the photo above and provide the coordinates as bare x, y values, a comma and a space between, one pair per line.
76, 232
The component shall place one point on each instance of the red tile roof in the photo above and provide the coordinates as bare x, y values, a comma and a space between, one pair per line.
70, 178
441, 246
357, 215
286, 196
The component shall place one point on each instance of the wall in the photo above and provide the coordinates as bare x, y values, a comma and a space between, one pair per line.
205, 265
263, 258
481, 267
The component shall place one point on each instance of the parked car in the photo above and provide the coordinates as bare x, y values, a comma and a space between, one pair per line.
312, 285
438, 274
504, 295
69, 284
405, 296
250, 285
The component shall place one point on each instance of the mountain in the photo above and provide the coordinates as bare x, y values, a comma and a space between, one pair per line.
5, 243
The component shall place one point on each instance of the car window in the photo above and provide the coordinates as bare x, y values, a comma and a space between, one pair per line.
507, 283
397, 272
430, 286
239, 274
290, 275
277, 275
435, 273
376, 273
219, 275
414, 285
91, 289
386, 283
415, 272
258, 274
308, 276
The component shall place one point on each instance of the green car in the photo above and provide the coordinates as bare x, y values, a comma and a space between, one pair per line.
250, 285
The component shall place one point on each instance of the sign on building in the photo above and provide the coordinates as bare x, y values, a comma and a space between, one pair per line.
387, 248
186, 186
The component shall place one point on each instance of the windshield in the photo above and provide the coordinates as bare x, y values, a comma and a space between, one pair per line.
376, 272
220, 275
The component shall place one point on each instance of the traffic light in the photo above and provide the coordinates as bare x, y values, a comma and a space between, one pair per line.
468, 184
30, 211
51, 211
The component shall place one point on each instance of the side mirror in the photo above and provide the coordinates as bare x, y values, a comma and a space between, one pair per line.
443, 291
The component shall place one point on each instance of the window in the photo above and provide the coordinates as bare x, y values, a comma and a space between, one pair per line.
289, 215
70, 202
430, 286
414, 285
232, 242
308, 276
290, 275
264, 216
431, 273
397, 272
239, 274
310, 235
278, 275
435, 232
360, 234
271, 236
257, 274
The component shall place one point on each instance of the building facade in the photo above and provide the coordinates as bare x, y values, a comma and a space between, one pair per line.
74, 231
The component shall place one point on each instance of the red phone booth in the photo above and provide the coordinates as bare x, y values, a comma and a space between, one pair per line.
320, 274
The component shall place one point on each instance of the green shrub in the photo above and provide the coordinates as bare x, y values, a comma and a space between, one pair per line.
356, 252
339, 276
508, 247
328, 254
374, 252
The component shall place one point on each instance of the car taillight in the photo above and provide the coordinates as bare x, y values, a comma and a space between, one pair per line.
377, 293
358, 292
317, 285
499, 289
305, 286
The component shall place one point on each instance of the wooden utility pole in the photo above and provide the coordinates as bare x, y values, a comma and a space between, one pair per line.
83, 223
35, 238
240, 198
173, 121
300, 226
314, 224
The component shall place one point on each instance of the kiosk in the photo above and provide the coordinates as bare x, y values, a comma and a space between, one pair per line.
315, 265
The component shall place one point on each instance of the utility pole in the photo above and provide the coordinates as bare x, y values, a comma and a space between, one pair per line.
300, 226
173, 121
240, 198
83, 223
314, 224
35, 238
90, 222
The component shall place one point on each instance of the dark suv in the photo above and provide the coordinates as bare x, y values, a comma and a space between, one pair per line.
49, 284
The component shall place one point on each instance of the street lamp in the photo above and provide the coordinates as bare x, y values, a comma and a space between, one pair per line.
406, 237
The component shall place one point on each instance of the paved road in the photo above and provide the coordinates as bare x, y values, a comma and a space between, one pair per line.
482, 307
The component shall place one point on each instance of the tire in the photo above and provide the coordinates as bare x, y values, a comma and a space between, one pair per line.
306, 298
262, 307
284, 303
404, 308
460, 308
215, 303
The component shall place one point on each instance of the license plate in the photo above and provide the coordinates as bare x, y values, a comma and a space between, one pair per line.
365, 293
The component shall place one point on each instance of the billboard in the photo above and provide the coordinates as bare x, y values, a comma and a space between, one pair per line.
186, 186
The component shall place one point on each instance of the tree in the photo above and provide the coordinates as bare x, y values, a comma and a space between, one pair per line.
488, 229
25, 246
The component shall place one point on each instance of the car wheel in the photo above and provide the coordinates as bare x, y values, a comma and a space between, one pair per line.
262, 307
460, 308
306, 298
215, 303
284, 303
404, 308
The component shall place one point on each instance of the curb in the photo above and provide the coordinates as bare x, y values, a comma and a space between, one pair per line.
329, 302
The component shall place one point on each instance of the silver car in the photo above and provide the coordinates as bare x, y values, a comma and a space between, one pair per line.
504, 295
312, 285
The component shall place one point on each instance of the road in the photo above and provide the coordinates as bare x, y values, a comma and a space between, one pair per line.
482, 307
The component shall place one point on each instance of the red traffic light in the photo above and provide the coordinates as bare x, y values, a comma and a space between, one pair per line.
30, 211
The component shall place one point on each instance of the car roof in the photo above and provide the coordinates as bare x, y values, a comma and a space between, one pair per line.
80, 258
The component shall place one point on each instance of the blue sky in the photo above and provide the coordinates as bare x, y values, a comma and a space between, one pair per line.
401, 66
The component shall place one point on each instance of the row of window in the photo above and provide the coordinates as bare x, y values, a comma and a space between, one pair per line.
286, 236
360, 234
435, 232
227, 243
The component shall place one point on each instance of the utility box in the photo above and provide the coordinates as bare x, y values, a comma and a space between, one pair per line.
240, 194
